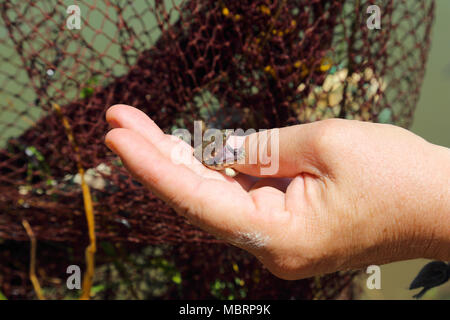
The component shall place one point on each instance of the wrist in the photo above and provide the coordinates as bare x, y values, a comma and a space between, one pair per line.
420, 213
438, 203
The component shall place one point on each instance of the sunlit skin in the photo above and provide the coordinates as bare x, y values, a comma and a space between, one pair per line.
347, 193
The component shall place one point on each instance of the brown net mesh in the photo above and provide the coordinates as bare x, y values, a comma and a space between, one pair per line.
248, 64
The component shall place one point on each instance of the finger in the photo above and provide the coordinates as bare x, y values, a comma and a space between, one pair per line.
247, 182
269, 195
217, 206
278, 183
284, 152
123, 116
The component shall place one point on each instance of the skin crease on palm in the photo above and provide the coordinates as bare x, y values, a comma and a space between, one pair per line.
347, 194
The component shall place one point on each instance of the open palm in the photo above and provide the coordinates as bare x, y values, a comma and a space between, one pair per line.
311, 216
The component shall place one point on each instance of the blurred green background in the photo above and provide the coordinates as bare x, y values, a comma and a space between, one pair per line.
432, 122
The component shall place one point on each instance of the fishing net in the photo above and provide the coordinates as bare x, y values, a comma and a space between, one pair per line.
233, 64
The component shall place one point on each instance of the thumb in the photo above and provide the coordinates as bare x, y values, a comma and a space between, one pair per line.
281, 152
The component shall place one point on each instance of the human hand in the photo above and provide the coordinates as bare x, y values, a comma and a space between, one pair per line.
346, 193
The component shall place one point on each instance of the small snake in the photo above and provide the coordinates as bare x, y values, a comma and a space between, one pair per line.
219, 156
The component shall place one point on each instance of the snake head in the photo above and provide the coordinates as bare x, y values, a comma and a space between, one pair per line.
218, 152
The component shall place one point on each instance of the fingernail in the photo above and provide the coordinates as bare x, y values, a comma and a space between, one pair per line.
113, 123
108, 144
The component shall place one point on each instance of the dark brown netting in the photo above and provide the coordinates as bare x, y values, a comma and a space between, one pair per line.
248, 64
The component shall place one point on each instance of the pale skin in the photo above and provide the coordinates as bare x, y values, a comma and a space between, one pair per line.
347, 194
